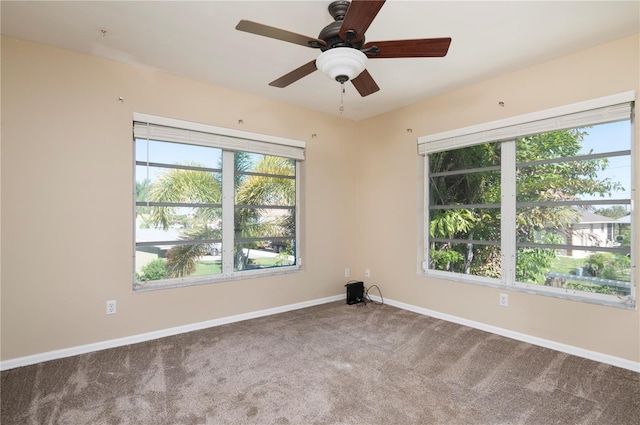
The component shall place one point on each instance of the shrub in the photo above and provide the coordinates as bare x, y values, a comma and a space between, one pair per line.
154, 270
606, 265
444, 259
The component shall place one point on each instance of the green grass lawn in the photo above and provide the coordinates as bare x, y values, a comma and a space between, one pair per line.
267, 262
208, 267
215, 266
569, 265
566, 264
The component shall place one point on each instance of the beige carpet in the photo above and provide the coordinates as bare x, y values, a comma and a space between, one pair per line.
330, 364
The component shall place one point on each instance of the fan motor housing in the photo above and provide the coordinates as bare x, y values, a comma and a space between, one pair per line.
338, 9
331, 33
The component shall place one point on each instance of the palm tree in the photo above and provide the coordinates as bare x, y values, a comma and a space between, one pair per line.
190, 186
142, 194
256, 191
184, 186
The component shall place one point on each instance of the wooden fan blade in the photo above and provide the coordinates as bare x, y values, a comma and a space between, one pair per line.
358, 18
279, 34
365, 84
294, 75
418, 48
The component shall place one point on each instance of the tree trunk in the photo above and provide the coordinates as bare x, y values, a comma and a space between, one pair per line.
469, 256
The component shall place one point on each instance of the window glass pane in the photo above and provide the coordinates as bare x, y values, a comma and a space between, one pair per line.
596, 178
159, 184
574, 225
261, 223
617, 135
466, 258
177, 153
142, 149
163, 232
546, 225
470, 188
465, 223
485, 155
276, 191
464, 218
266, 164
143, 184
580, 270
588, 179
459, 177
264, 254
173, 261
264, 182
568, 238
183, 223
577, 233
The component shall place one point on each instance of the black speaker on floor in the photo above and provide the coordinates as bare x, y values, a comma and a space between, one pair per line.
355, 292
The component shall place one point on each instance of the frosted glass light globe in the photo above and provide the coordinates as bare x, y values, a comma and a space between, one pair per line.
341, 63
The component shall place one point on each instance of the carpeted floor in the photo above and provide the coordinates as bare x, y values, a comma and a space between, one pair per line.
329, 364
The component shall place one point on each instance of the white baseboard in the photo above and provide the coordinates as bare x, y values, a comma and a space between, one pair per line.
88, 348
119, 342
564, 348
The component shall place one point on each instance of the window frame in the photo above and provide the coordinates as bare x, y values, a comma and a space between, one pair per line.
596, 111
229, 141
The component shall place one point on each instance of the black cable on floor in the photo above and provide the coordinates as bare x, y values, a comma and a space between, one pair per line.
367, 297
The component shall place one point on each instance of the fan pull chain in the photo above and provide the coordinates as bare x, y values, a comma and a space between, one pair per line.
341, 98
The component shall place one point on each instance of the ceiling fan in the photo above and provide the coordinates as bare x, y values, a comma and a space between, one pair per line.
344, 51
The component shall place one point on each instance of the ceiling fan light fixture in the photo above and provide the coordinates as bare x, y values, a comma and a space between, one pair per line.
341, 63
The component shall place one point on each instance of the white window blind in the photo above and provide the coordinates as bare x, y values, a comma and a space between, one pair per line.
170, 130
597, 111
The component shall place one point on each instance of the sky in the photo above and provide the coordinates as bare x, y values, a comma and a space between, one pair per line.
601, 138
612, 137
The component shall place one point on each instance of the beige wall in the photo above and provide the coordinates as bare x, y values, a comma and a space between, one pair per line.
67, 203
67, 175
391, 197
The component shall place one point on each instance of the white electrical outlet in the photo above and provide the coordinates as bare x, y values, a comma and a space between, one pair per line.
111, 307
346, 272
367, 273
504, 300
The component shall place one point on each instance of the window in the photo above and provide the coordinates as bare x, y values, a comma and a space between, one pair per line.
265, 201
213, 204
544, 207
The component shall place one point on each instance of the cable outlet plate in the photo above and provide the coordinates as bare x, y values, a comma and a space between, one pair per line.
111, 307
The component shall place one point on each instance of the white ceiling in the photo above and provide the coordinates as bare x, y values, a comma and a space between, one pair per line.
198, 40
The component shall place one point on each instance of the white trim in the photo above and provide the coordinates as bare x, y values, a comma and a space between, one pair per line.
425, 255
508, 240
541, 342
228, 210
134, 339
180, 282
600, 110
88, 348
627, 302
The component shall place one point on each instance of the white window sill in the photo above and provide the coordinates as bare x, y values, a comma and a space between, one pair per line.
208, 279
625, 302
